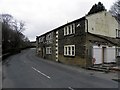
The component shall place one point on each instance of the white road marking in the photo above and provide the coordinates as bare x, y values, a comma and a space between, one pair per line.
41, 73
70, 88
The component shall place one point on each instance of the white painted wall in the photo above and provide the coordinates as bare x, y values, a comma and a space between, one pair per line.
102, 23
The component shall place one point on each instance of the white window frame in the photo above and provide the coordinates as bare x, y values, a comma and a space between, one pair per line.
69, 50
41, 39
49, 38
70, 29
48, 50
65, 30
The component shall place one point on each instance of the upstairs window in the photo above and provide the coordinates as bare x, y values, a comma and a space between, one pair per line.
41, 39
70, 29
117, 33
69, 50
49, 38
48, 50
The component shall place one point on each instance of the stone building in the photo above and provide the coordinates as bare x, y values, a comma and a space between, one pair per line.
92, 39
46, 45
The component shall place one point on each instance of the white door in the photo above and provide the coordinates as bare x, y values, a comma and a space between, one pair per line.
110, 54
97, 54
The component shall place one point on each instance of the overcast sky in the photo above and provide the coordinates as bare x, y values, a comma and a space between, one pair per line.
41, 16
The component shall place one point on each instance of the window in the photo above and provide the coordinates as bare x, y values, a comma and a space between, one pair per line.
41, 39
73, 50
78, 25
117, 33
49, 38
70, 29
65, 50
48, 50
65, 31
69, 50
118, 51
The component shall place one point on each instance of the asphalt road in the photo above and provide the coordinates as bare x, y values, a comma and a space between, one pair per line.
26, 70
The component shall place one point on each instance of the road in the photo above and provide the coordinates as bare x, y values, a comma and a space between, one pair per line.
26, 70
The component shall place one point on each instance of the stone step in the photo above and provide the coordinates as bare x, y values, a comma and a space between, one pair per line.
99, 69
115, 68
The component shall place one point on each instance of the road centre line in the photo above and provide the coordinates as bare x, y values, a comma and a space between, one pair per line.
41, 73
70, 88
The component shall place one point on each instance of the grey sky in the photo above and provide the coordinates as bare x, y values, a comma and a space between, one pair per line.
41, 16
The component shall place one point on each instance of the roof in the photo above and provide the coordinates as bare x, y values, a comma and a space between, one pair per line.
113, 41
83, 18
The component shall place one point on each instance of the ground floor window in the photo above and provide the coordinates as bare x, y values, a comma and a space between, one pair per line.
69, 50
118, 51
48, 50
117, 33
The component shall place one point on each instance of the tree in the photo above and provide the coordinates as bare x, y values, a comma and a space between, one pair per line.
18, 27
12, 37
97, 8
115, 10
6, 31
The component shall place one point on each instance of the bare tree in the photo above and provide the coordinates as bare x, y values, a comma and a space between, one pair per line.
115, 10
12, 37
7, 18
18, 27
6, 31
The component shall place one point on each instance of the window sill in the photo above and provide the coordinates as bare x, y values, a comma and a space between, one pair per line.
69, 35
69, 56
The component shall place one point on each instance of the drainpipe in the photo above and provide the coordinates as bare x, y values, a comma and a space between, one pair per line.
86, 22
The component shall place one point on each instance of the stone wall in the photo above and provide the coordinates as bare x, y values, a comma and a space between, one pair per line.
78, 39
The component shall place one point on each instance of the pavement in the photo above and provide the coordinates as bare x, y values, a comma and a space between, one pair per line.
117, 68
109, 75
26, 70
